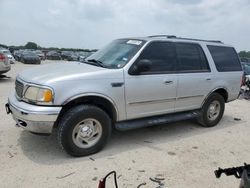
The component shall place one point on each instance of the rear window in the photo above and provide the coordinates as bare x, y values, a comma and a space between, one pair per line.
225, 58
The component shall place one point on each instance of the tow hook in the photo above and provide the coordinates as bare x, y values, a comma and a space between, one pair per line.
7, 108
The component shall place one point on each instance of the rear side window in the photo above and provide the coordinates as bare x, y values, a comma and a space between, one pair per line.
225, 58
191, 58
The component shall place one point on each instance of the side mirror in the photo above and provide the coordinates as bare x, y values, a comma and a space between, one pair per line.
143, 65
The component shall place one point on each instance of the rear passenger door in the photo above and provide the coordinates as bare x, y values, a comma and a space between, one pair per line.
194, 76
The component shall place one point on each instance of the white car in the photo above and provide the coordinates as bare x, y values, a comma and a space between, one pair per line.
9, 55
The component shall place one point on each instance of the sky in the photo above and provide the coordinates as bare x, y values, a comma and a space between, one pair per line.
94, 23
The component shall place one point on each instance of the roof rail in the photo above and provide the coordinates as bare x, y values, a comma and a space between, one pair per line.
173, 36
167, 36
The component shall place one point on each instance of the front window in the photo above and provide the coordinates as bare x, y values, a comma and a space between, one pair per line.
118, 53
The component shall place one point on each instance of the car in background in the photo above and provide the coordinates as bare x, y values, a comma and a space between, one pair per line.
82, 56
245, 60
73, 57
4, 63
65, 55
246, 71
53, 55
40, 54
29, 57
9, 55
246, 67
17, 54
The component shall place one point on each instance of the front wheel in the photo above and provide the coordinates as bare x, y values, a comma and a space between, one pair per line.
84, 130
212, 110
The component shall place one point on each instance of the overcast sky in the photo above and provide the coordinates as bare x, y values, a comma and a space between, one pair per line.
93, 23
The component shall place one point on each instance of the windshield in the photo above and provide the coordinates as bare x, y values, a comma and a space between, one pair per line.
117, 53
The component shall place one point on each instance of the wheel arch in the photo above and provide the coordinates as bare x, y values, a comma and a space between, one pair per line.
220, 90
102, 101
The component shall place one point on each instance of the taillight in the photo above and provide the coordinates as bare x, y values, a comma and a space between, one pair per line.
2, 57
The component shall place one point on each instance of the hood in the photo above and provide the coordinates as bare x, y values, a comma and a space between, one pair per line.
46, 74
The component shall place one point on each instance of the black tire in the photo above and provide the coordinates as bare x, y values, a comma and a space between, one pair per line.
72, 118
204, 119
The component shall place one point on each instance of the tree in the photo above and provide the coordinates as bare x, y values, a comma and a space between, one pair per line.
31, 45
244, 54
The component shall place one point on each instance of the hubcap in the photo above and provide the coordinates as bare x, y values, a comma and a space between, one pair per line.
213, 110
87, 133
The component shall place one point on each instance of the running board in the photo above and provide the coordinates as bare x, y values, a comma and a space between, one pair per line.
156, 120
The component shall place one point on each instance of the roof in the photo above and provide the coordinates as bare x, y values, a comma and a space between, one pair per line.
176, 39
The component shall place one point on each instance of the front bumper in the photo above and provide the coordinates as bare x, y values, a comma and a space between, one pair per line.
37, 119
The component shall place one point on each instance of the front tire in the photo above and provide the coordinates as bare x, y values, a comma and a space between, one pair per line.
212, 110
84, 130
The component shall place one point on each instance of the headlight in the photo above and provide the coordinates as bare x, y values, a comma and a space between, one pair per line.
39, 95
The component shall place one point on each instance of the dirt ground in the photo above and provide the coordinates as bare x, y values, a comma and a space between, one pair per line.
183, 154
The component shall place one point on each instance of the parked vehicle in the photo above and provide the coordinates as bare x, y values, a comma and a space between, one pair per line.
245, 84
53, 55
29, 57
65, 55
73, 57
82, 56
17, 55
40, 54
4, 63
129, 84
9, 55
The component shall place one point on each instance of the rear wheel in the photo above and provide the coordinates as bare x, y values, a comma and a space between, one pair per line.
212, 111
84, 130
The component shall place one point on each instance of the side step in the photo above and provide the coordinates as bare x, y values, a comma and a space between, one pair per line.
156, 120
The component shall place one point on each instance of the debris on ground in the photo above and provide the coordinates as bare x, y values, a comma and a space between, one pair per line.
141, 170
92, 159
142, 184
237, 119
159, 181
61, 177
10, 155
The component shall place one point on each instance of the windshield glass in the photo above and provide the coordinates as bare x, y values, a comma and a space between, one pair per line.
117, 53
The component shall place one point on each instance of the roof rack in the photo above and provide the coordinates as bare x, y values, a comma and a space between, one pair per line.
173, 36
167, 36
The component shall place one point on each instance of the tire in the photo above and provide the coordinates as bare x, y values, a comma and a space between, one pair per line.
77, 125
215, 104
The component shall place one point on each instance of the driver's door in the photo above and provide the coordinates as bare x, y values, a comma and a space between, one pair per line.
152, 92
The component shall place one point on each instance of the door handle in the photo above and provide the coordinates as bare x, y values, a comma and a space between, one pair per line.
208, 79
168, 82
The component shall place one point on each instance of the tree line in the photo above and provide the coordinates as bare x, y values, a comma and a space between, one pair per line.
34, 46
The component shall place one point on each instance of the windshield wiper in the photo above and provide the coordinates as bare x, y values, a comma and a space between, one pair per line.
96, 62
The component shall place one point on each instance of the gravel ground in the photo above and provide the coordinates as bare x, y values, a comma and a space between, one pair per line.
183, 154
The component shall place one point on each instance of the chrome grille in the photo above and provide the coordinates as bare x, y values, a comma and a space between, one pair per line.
19, 88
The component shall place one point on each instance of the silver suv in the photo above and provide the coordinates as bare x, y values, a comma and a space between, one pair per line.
130, 83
